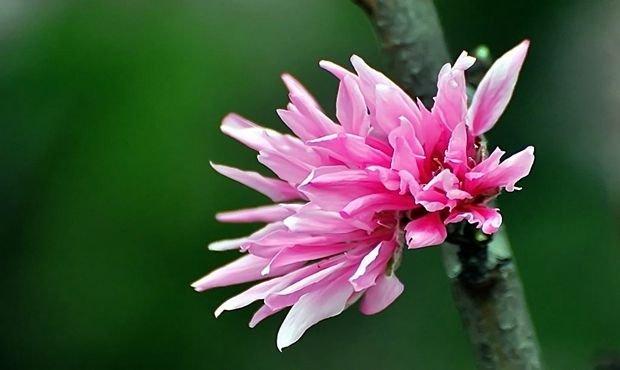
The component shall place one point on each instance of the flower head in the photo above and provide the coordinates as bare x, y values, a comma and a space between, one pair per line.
352, 193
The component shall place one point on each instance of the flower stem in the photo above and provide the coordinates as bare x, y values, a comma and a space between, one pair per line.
485, 282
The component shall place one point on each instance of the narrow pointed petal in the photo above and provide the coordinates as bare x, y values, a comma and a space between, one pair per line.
276, 212
296, 122
351, 149
253, 294
351, 109
304, 253
336, 70
408, 151
425, 231
369, 78
334, 190
361, 210
381, 295
451, 101
287, 167
390, 106
276, 190
456, 154
440, 192
495, 90
487, 165
316, 281
227, 244
295, 87
318, 221
372, 265
246, 132
262, 313
312, 308
486, 218
241, 270
318, 123
507, 173
430, 130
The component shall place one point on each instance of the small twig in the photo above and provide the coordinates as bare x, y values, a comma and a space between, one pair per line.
486, 286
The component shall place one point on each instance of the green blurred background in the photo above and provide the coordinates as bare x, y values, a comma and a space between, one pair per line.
110, 111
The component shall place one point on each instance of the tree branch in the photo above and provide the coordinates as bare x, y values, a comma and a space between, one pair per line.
485, 282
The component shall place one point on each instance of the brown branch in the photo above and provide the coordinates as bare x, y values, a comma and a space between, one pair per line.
486, 286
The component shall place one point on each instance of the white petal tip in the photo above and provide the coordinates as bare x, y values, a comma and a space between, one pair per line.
217, 167
289, 81
356, 59
216, 247
197, 287
230, 118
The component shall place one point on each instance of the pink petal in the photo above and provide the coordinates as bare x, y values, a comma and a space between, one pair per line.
291, 294
389, 178
430, 130
408, 183
296, 88
273, 241
369, 78
299, 124
332, 190
246, 131
290, 158
351, 109
495, 90
487, 165
372, 265
312, 308
241, 243
361, 210
381, 295
425, 231
255, 293
227, 244
451, 101
319, 123
299, 253
241, 270
488, 219
391, 106
287, 167
507, 173
271, 213
434, 195
456, 154
317, 221
276, 190
338, 71
262, 313
408, 152
351, 150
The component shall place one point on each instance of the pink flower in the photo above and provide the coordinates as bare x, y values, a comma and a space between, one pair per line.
352, 192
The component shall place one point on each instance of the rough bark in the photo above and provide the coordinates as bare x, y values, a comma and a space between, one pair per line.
486, 286
488, 293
